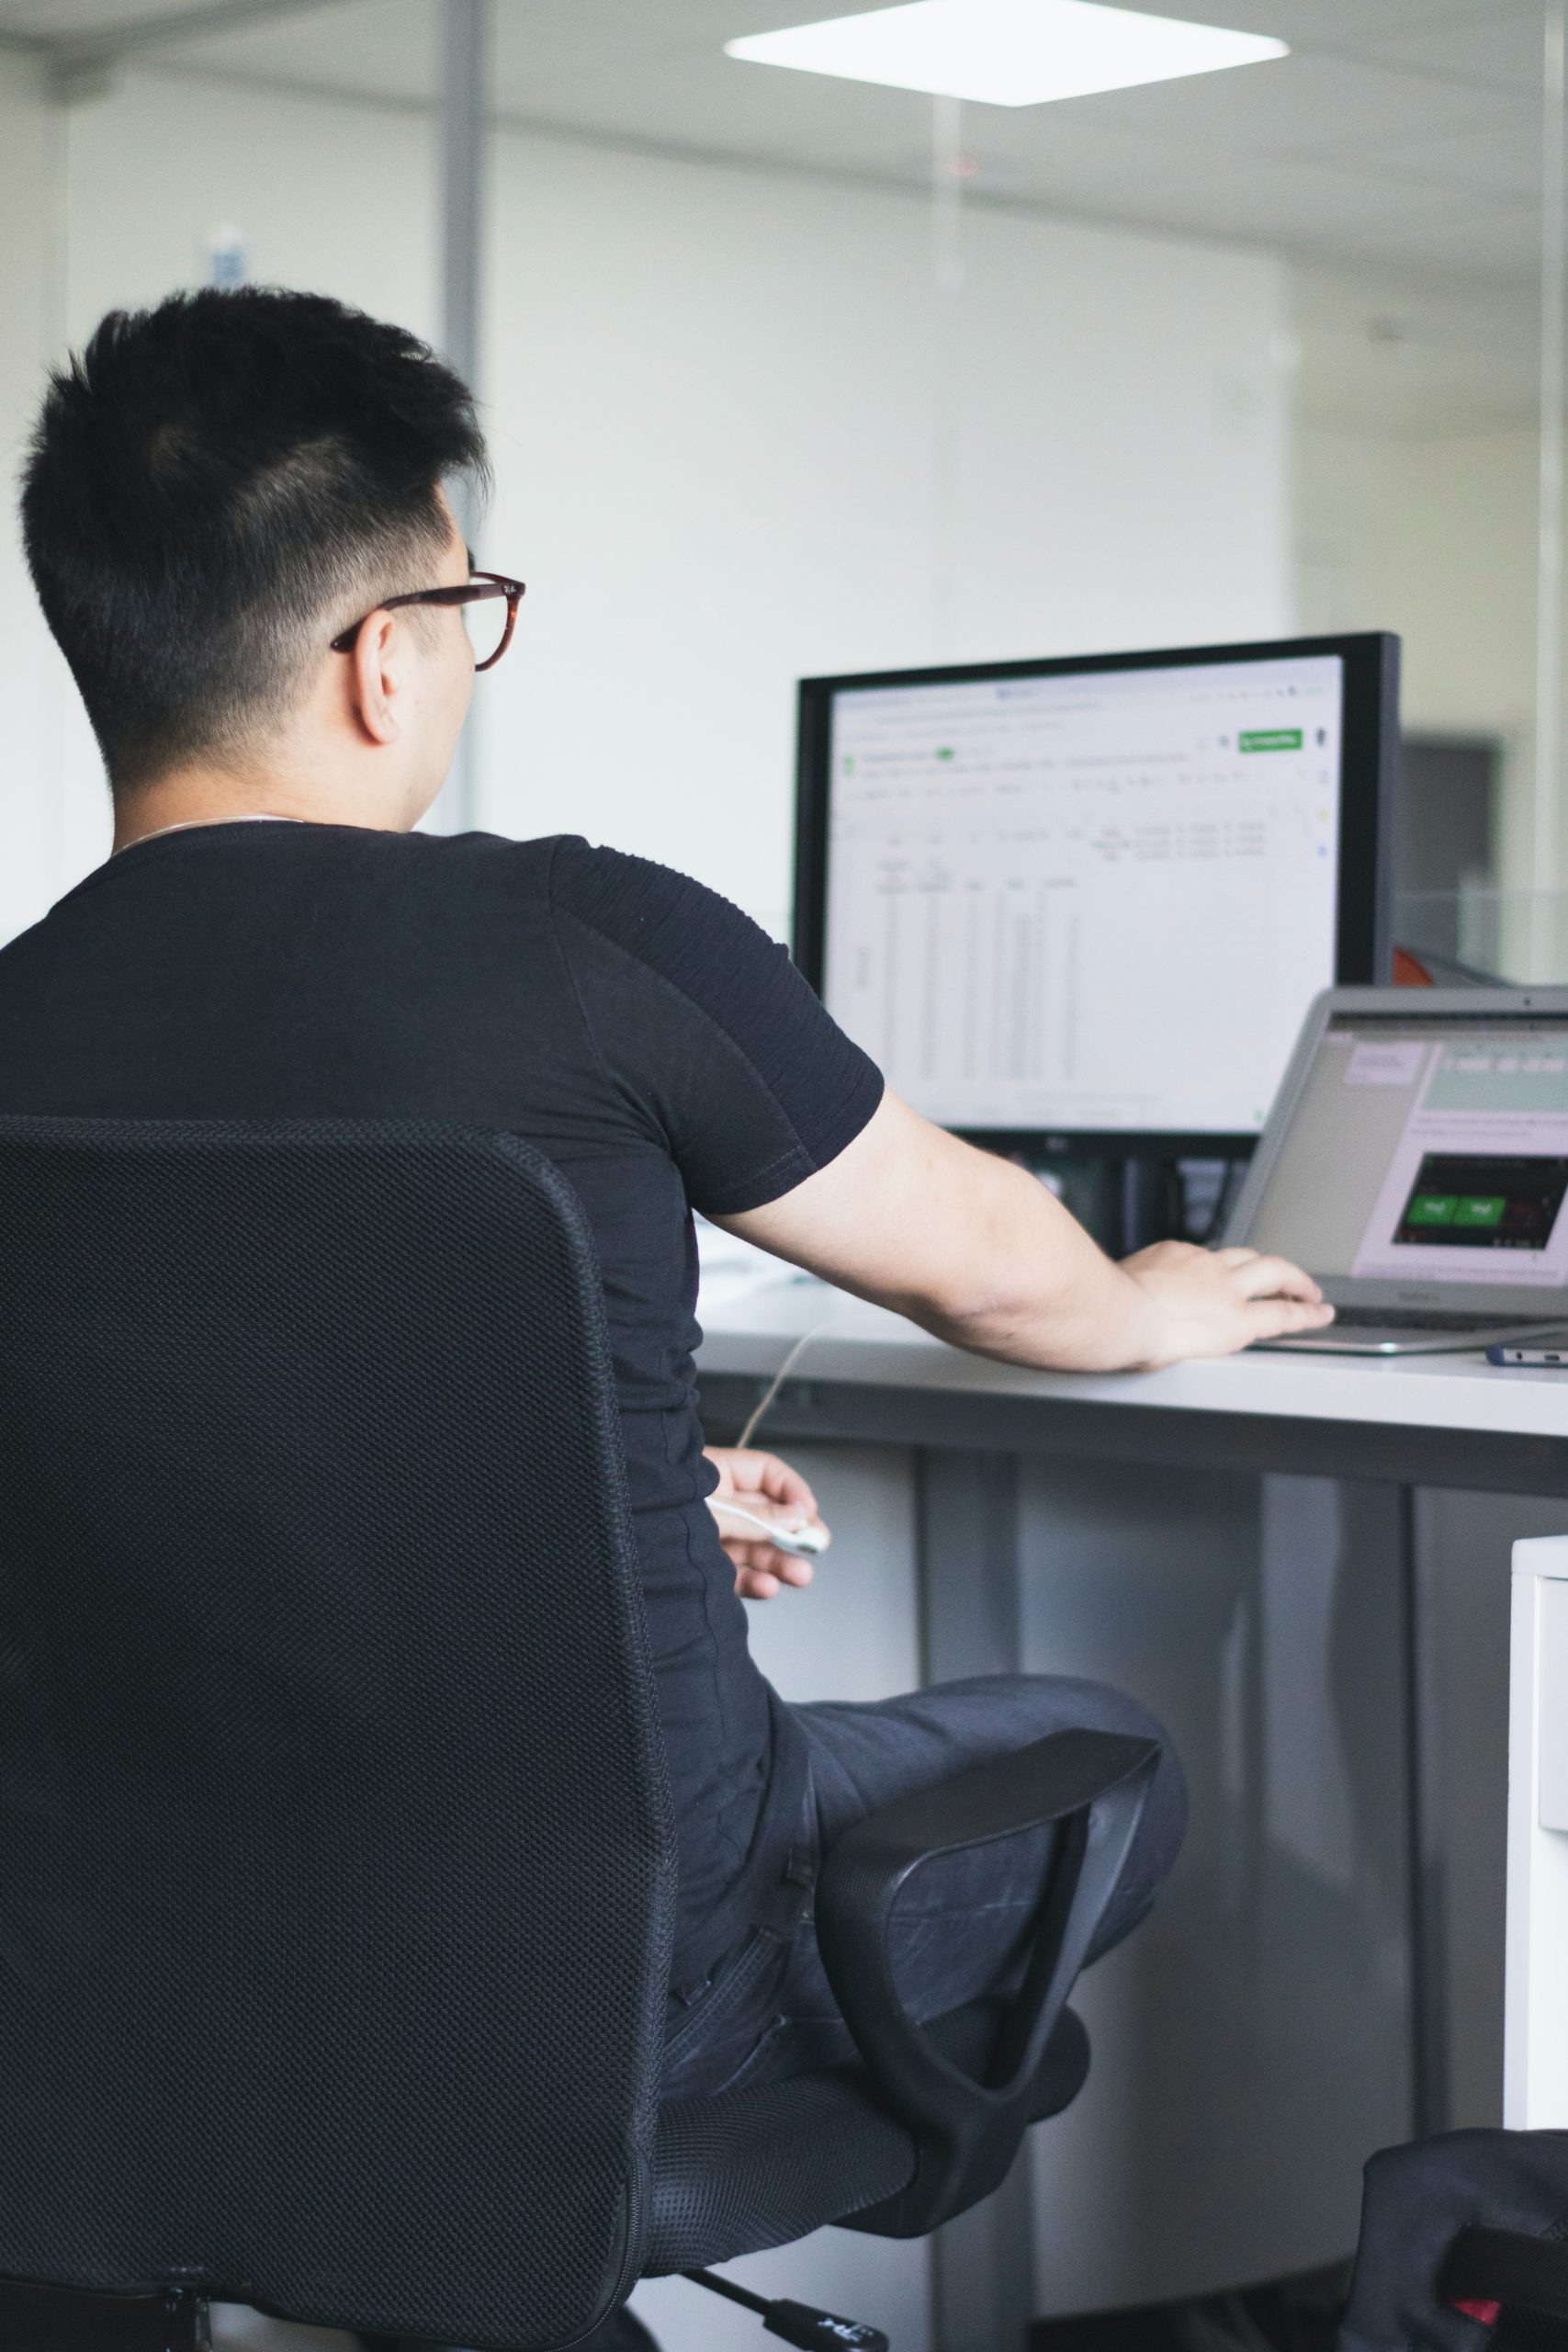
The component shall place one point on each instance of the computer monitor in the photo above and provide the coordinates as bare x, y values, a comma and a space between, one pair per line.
1087, 903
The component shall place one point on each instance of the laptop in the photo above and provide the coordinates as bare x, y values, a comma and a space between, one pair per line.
1416, 1163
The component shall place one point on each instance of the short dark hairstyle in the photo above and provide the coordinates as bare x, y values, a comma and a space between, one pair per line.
216, 487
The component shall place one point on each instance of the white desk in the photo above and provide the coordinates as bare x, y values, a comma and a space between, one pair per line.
1032, 1488
1442, 1409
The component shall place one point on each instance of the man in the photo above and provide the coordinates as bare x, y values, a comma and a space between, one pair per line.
235, 517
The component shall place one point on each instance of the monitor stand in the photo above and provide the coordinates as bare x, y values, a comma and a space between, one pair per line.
1130, 1200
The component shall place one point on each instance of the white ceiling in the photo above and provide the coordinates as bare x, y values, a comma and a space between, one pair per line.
1398, 132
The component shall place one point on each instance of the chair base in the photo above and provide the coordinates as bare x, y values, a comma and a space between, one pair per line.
74, 2319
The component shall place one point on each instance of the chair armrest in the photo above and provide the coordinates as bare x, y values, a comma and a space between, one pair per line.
1513, 2267
1094, 1784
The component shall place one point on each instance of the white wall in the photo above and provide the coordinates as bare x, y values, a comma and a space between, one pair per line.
740, 438
1417, 457
32, 686
1435, 536
329, 196
731, 404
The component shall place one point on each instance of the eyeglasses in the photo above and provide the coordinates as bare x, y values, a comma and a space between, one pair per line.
490, 629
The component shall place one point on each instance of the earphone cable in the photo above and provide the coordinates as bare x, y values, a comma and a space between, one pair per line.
769, 1395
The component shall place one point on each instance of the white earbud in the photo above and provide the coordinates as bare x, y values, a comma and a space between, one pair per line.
799, 1542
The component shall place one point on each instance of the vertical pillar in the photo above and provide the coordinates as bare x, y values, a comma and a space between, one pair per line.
947, 364
1427, 1840
466, 42
1548, 575
982, 2264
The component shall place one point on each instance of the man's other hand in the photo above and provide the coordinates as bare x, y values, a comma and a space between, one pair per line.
1211, 1302
764, 1488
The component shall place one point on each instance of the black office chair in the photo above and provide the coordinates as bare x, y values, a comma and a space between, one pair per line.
1463, 2233
336, 1868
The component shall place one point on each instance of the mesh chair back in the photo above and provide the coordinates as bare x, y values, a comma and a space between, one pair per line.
336, 1868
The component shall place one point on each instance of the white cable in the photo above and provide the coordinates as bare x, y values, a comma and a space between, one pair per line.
771, 1393
803, 1542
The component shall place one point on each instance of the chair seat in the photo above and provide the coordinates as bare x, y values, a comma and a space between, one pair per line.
761, 2167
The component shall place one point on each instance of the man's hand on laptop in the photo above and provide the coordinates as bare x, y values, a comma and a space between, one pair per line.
756, 1491
980, 1252
1211, 1302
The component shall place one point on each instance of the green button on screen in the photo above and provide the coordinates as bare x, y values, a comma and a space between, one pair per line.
1479, 1208
1270, 739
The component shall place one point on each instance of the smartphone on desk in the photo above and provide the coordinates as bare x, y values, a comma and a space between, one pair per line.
1508, 1351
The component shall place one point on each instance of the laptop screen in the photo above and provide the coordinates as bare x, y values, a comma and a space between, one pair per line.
1427, 1151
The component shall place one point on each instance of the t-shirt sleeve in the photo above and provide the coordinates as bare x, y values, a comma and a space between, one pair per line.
706, 1030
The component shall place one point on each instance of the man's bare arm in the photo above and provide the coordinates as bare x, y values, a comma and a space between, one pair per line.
981, 1253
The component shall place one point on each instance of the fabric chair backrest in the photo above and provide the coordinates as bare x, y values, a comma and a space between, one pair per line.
336, 1864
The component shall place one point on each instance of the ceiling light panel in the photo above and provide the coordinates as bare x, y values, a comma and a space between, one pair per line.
1006, 52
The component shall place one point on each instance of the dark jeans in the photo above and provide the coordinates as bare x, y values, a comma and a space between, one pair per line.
960, 1927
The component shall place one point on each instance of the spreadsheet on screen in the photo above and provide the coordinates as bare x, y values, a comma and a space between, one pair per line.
1100, 899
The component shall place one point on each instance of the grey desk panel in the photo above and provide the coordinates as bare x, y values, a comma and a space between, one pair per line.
821, 1410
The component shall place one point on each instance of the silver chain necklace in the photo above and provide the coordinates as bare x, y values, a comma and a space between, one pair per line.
195, 824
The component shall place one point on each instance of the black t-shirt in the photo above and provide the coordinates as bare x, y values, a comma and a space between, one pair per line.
633, 1026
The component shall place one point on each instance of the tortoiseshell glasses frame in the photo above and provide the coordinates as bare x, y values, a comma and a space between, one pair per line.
477, 590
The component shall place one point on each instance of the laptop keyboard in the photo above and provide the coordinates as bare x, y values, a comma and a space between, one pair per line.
1421, 1318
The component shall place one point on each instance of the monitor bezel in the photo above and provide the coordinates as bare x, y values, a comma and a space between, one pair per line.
1368, 740
1414, 1006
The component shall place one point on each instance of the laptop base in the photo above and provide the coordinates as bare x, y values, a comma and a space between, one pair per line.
1394, 1339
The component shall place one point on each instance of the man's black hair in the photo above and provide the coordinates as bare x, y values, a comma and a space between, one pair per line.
215, 488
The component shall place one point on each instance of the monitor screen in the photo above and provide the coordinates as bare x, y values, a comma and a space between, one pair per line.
1088, 898
1427, 1149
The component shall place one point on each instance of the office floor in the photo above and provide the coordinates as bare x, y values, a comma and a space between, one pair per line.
1288, 2315
1298, 2314
237, 2328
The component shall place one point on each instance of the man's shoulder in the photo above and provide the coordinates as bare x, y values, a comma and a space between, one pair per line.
465, 871
524, 862
638, 903
631, 901
611, 888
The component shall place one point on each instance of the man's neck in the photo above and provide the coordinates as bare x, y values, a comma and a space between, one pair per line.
208, 797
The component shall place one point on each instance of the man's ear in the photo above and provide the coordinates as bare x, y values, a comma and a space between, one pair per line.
376, 677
